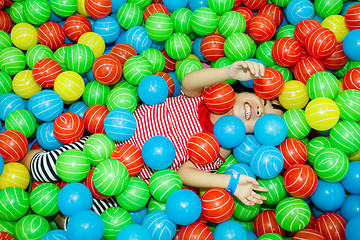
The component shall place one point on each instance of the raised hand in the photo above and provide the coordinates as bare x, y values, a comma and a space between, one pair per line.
245, 191
246, 70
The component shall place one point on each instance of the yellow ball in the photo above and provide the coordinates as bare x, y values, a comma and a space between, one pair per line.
94, 41
24, 84
294, 95
337, 25
24, 36
70, 86
14, 175
322, 113
81, 8
354, 156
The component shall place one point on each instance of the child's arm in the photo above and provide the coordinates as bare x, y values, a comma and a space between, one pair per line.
28, 157
194, 82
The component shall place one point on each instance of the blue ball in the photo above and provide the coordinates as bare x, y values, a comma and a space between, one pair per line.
250, 235
55, 18
153, 90
241, 168
10, 102
177, 89
108, 28
117, 4
55, 235
183, 207
250, 83
346, 7
158, 152
46, 138
85, 224
229, 230
352, 230
318, 18
159, 225
267, 162
139, 215
173, 5
328, 197
159, 45
134, 232
67, 40
298, 10
73, 198
196, 50
46, 105
195, 4
138, 38
351, 177
121, 38
90, 75
351, 45
1, 164
350, 207
230, 131
246, 150
270, 129
120, 124
79, 108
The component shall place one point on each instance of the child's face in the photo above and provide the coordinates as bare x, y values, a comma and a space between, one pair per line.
249, 107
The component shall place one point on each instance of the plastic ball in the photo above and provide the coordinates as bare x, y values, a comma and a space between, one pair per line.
156, 222
115, 219
217, 205
69, 85
271, 85
120, 124
352, 19
203, 148
88, 182
95, 93
63, 8
136, 69
308, 234
337, 25
163, 183
350, 207
22, 121
286, 51
37, 12
306, 67
181, 19
169, 80
45, 72
60, 57
123, 52
24, 36
155, 8
94, 41
75, 56
221, 6
254, 4
130, 156
212, 47
328, 196
155, 205
155, 57
153, 90
36, 53
350, 44
351, 177
276, 187
315, 145
24, 84
32, 227
231, 22
320, 42
138, 38
129, 15
135, 196
138, 216
244, 212
12, 60
294, 152
51, 34
43, 199
325, 9
46, 105
178, 46
78, 108
75, 26
45, 137
6, 22
5, 83
351, 79
272, 11
229, 230
239, 46
230, 131
344, 136
196, 230
85, 224
77, 161
6, 236
186, 66
158, 152
55, 235
98, 8
267, 162
265, 131
108, 28
265, 222
245, 151
134, 231
159, 26
107, 69
322, 84
219, 98
296, 123
94, 118
203, 21
14, 145
294, 95
347, 100
296, 11
15, 203
68, 127
331, 226
261, 28
300, 181
263, 53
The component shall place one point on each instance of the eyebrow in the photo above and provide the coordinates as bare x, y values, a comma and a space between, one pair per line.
278, 106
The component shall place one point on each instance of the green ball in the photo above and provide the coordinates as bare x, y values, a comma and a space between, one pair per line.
115, 219
231, 22
239, 46
315, 145
95, 93
5, 40
110, 177
43, 199
193, 35
32, 227
322, 84
159, 26
181, 19
36, 53
270, 236
136, 68
277, 191
73, 165
143, 4
22, 121
296, 123
155, 205
98, 147
284, 71
281, 3
17, 12
263, 53
6, 226
163, 183
155, 57
221, 6
230, 160
135, 196
63, 8
14, 203
341, 71
186, 66
203, 21
37, 12
247, 225
79, 58
285, 31
129, 15
126, 84
345, 136
353, 64
292, 214
223, 62
244, 212
327, 8
348, 102
60, 57
123, 98
331, 164
5, 83
12, 60
178, 46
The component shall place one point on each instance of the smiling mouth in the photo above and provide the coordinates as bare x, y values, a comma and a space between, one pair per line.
247, 111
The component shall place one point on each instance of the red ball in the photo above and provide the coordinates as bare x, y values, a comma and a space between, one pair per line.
294, 152
212, 47
169, 62
331, 226
320, 42
195, 231
6, 236
51, 34
271, 85
337, 59
274, 12
155, 8
94, 118
217, 205
2, 3
13, 145
36, 146
262, 28
98, 8
123, 52
45, 72
286, 51
352, 17
130, 156
300, 180
6, 24
203, 148
351, 79
265, 222
169, 81
8, 3
68, 127
254, 4
308, 234
307, 67
303, 28
90, 184
237, 3
311, 224
75, 26
247, 14
107, 69
219, 98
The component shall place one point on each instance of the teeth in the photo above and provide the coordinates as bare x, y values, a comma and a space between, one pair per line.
247, 111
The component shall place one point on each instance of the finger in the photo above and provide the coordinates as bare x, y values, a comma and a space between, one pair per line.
242, 64
262, 70
261, 189
258, 196
247, 202
251, 180
257, 69
251, 67
254, 200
